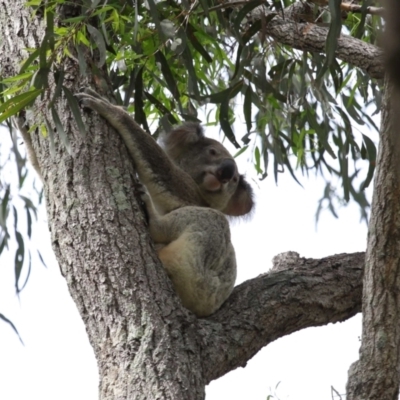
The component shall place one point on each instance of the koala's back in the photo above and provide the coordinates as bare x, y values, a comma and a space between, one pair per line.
199, 257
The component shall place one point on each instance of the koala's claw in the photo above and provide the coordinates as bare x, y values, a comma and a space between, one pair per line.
141, 191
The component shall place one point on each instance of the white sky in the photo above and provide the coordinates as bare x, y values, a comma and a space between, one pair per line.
57, 361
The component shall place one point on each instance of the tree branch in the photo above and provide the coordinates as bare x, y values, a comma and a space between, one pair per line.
311, 37
301, 293
306, 36
355, 8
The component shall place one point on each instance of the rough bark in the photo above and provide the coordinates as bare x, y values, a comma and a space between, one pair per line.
376, 374
147, 346
300, 293
296, 28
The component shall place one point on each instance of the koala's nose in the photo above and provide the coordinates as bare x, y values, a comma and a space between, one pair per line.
226, 171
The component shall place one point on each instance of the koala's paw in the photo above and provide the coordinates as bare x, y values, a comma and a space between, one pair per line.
92, 100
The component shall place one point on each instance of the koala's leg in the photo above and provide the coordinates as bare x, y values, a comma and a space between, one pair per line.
203, 272
161, 231
193, 244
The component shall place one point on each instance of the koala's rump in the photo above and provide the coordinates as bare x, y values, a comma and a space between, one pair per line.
200, 260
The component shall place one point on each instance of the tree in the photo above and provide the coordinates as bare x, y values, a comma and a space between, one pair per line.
375, 375
170, 67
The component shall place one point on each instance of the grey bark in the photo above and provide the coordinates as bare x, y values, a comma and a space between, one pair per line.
376, 374
146, 344
296, 28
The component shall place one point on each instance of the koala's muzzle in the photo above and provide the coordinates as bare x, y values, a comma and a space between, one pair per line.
226, 171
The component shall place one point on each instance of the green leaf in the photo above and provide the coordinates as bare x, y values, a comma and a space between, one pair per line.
43, 51
247, 107
50, 27
239, 152
156, 20
28, 273
40, 78
4, 209
41, 259
73, 20
19, 77
12, 326
60, 130
59, 79
251, 5
12, 106
224, 95
193, 87
257, 158
167, 73
225, 124
224, 114
51, 137
265, 87
19, 258
76, 112
140, 115
81, 60
335, 28
130, 87
204, 4
190, 30
254, 28
100, 43
251, 31
360, 28
371, 153
164, 110
29, 222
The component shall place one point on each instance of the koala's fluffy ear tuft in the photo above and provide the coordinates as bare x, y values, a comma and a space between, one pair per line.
175, 141
241, 202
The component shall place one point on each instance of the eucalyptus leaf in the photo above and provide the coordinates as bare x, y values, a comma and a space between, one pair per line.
60, 130
74, 106
6, 320
98, 38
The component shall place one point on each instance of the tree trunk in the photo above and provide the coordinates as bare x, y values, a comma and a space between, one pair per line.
148, 346
376, 374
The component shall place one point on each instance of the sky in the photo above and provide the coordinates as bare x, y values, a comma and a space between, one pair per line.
57, 362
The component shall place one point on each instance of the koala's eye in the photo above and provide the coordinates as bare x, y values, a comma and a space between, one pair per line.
235, 179
212, 152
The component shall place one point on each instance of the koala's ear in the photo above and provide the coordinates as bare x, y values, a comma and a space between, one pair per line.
178, 138
241, 202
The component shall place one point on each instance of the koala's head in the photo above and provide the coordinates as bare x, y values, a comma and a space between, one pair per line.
212, 167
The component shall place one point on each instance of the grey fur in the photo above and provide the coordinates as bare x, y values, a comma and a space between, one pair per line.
191, 184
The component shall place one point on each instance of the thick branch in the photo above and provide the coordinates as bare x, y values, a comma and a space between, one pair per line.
311, 37
307, 293
355, 8
307, 36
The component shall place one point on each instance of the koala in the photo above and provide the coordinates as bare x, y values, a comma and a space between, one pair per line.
192, 183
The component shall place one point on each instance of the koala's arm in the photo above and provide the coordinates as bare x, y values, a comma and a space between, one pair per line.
169, 186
